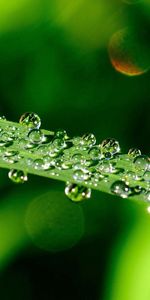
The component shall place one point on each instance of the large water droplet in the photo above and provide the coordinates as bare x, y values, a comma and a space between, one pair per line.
31, 120
121, 189
36, 136
109, 147
76, 192
17, 176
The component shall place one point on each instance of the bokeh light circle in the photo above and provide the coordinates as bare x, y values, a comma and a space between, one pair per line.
128, 53
54, 223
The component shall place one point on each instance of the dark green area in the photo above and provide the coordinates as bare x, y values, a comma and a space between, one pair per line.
54, 61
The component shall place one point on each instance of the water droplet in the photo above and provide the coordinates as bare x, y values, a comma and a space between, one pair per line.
95, 153
59, 144
129, 52
141, 162
7, 137
17, 176
109, 147
81, 174
130, 175
36, 136
121, 189
106, 167
41, 164
77, 157
133, 152
76, 192
88, 140
146, 176
62, 134
62, 164
31, 120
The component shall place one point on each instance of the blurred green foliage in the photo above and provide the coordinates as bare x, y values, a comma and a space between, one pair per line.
54, 61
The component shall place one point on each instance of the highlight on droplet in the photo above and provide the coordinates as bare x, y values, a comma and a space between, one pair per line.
128, 53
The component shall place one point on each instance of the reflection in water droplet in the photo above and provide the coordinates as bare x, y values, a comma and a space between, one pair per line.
109, 147
146, 176
31, 120
17, 176
121, 189
76, 192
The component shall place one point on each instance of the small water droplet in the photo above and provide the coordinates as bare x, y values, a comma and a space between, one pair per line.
62, 134
106, 167
133, 152
88, 140
109, 147
17, 176
31, 120
121, 189
76, 192
141, 162
146, 176
95, 153
81, 174
41, 164
62, 164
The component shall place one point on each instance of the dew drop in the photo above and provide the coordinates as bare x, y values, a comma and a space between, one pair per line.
146, 176
109, 147
133, 152
95, 153
81, 174
41, 164
88, 140
17, 176
62, 134
36, 136
121, 189
141, 163
76, 192
31, 120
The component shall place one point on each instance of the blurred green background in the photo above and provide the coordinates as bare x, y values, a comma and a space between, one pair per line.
54, 61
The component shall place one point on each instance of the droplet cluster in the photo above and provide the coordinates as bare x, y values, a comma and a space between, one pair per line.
82, 162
